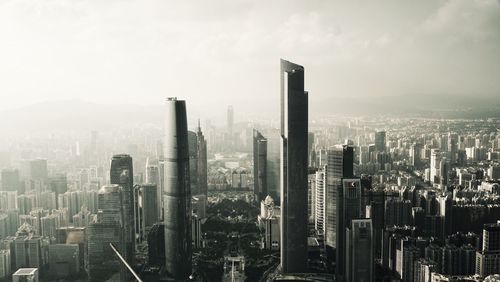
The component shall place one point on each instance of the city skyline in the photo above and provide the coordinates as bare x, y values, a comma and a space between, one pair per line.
381, 162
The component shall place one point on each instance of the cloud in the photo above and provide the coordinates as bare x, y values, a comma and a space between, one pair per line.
226, 52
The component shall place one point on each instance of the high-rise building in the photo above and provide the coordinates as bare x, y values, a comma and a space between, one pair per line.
38, 170
348, 208
177, 193
452, 147
294, 129
340, 165
122, 173
415, 153
380, 141
147, 209
153, 177
487, 260
319, 209
106, 228
26, 275
193, 162
359, 257
58, 184
64, 261
5, 264
10, 180
435, 165
202, 162
259, 165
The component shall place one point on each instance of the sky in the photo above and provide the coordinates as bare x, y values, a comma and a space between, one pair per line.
222, 52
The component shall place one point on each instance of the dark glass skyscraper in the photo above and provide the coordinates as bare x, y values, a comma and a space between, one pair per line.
259, 165
294, 119
359, 257
340, 165
348, 208
177, 192
380, 141
122, 173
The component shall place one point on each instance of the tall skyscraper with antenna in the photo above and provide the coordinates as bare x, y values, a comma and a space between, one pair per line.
177, 193
294, 131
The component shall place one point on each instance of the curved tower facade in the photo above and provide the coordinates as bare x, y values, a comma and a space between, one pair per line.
177, 192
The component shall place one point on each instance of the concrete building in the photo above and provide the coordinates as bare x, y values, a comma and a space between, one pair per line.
26, 275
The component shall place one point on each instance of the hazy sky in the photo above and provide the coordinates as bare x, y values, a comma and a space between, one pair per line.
227, 52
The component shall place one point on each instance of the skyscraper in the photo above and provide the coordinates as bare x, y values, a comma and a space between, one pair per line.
259, 165
193, 162
348, 208
202, 162
319, 218
294, 129
340, 164
359, 258
147, 210
435, 165
122, 173
38, 170
177, 193
106, 228
487, 259
10, 180
380, 141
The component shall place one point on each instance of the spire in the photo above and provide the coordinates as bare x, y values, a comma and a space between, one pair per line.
199, 126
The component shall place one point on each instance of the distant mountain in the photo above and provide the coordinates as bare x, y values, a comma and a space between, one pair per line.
79, 115
68, 115
445, 106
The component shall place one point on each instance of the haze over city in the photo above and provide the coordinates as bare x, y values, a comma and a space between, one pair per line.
137, 52
242, 141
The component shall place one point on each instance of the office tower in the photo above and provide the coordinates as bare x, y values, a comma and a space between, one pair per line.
153, 177
26, 275
259, 165
340, 165
294, 119
444, 168
398, 212
49, 225
434, 165
319, 209
415, 152
193, 161
359, 257
58, 184
202, 162
177, 193
122, 173
5, 264
380, 141
38, 170
146, 208
268, 220
452, 147
487, 260
10, 180
156, 245
64, 261
107, 227
348, 208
